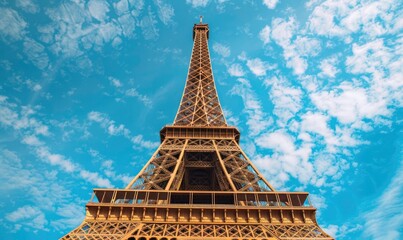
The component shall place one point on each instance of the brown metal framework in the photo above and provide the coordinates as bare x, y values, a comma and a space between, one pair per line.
199, 184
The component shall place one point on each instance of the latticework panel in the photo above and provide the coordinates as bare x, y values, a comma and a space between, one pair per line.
161, 167
200, 105
203, 231
243, 174
124, 230
297, 232
231, 167
111, 230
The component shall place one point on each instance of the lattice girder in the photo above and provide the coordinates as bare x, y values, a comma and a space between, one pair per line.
200, 105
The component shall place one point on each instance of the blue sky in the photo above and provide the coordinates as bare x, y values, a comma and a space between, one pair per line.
315, 88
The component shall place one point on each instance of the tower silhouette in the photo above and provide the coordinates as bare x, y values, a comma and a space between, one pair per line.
199, 183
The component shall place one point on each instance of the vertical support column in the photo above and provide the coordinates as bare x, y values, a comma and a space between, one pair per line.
253, 167
223, 167
180, 160
145, 167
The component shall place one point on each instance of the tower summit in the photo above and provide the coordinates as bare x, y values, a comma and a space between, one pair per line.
199, 184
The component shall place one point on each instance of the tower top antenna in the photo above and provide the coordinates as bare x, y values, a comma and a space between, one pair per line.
201, 18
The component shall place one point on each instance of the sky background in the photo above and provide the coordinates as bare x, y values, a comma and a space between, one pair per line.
315, 88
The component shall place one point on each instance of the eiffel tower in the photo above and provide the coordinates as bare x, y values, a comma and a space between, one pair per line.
199, 183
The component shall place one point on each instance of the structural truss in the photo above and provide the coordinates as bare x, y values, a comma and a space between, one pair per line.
199, 184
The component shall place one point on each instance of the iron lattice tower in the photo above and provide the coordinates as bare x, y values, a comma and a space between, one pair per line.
198, 184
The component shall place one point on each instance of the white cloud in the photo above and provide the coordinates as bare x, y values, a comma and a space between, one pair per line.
287, 160
258, 67
319, 201
271, 4
27, 5
36, 53
328, 67
371, 57
231, 118
317, 123
283, 33
257, 120
56, 160
277, 141
339, 232
128, 24
28, 216
71, 216
37, 87
132, 92
121, 7
148, 26
107, 167
98, 9
95, 179
76, 27
120, 130
350, 104
264, 34
236, 70
341, 18
221, 49
115, 82
32, 140
44, 188
116, 130
306, 46
165, 11
30, 128
287, 100
20, 120
11, 24
197, 3
138, 140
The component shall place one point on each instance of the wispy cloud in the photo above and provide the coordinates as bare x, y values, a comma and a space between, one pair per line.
115, 82
385, 220
270, 4
283, 33
12, 25
371, 18
44, 188
36, 53
98, 9
236, 70
165, 11
257, 120
30, 129
287, 99
28, 216
132, 92
197, 3
259, 67
342, 231
120, 130
328, 67
27, 5
264, 34
148, 25
287, 159
71, 215
221, 49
